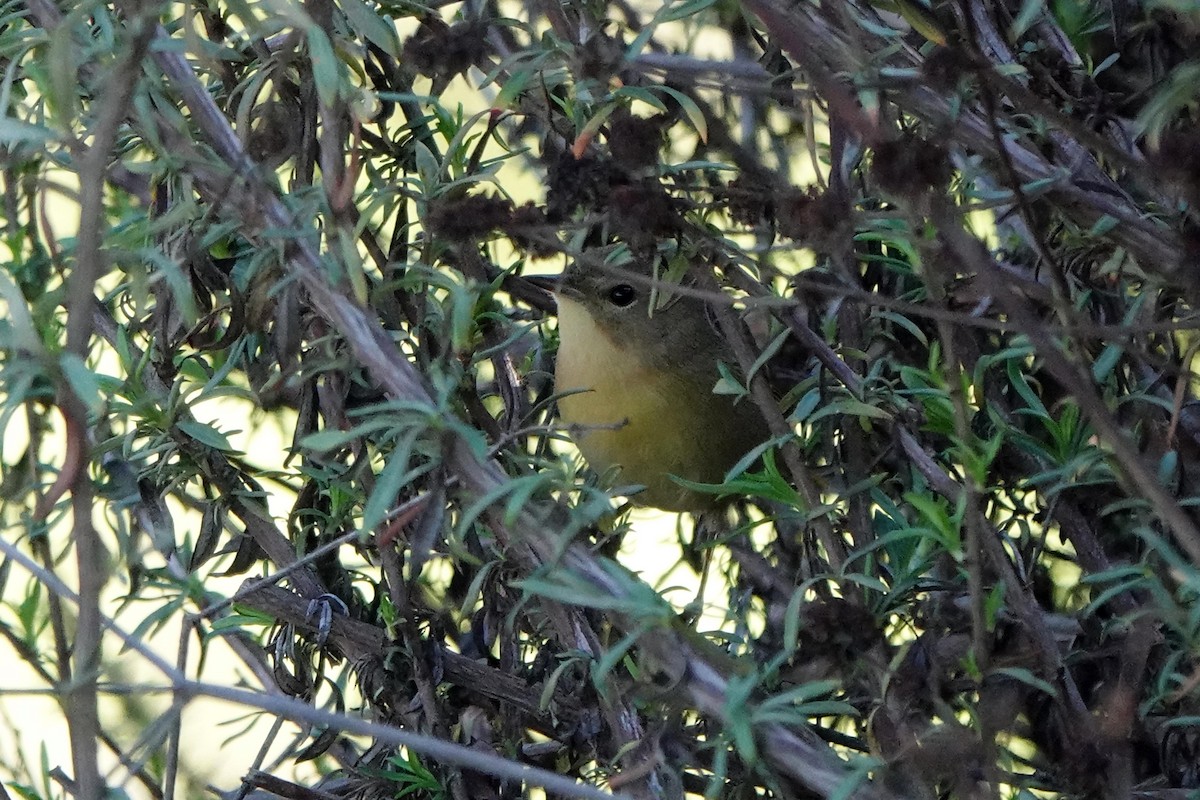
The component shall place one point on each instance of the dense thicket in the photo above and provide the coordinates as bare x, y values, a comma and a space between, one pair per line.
957, 243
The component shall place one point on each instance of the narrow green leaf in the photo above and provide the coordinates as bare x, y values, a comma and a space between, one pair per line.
84, 382
691, 111
1028, 678
205, 434
14, 132
324, 64
387, 485
1030, 9
24, 334
372, 27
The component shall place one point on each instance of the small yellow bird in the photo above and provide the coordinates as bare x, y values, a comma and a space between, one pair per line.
636, 370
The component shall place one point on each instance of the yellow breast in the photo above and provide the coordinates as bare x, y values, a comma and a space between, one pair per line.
651, 422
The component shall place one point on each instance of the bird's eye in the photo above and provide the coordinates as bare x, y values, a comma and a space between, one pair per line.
622, 295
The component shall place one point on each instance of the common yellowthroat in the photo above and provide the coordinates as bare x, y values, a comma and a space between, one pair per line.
636, 369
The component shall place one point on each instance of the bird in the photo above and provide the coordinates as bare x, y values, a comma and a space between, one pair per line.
636, 374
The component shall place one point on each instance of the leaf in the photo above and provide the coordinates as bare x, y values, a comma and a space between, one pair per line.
372, 27
429, 168
61, 54
1103, 225
807, 404
24, 334
1026, 677
513, 87
332, 439
691, 111
792, 620
738, 722
861, 769
205, 434
1176, 92
324, 65
1030, 9
1105, 64
212, 525
689, 8
850, 407
84, 382
1108, 359
602, 668
15, 132
388, 483
922, 21
1018, 381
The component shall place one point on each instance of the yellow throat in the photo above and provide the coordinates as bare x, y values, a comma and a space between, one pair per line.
641, 389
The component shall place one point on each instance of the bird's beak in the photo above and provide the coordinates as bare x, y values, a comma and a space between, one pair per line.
561, 286
538, 290
547, 283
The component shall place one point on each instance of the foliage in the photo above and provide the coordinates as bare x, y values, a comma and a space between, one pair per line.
961, 236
